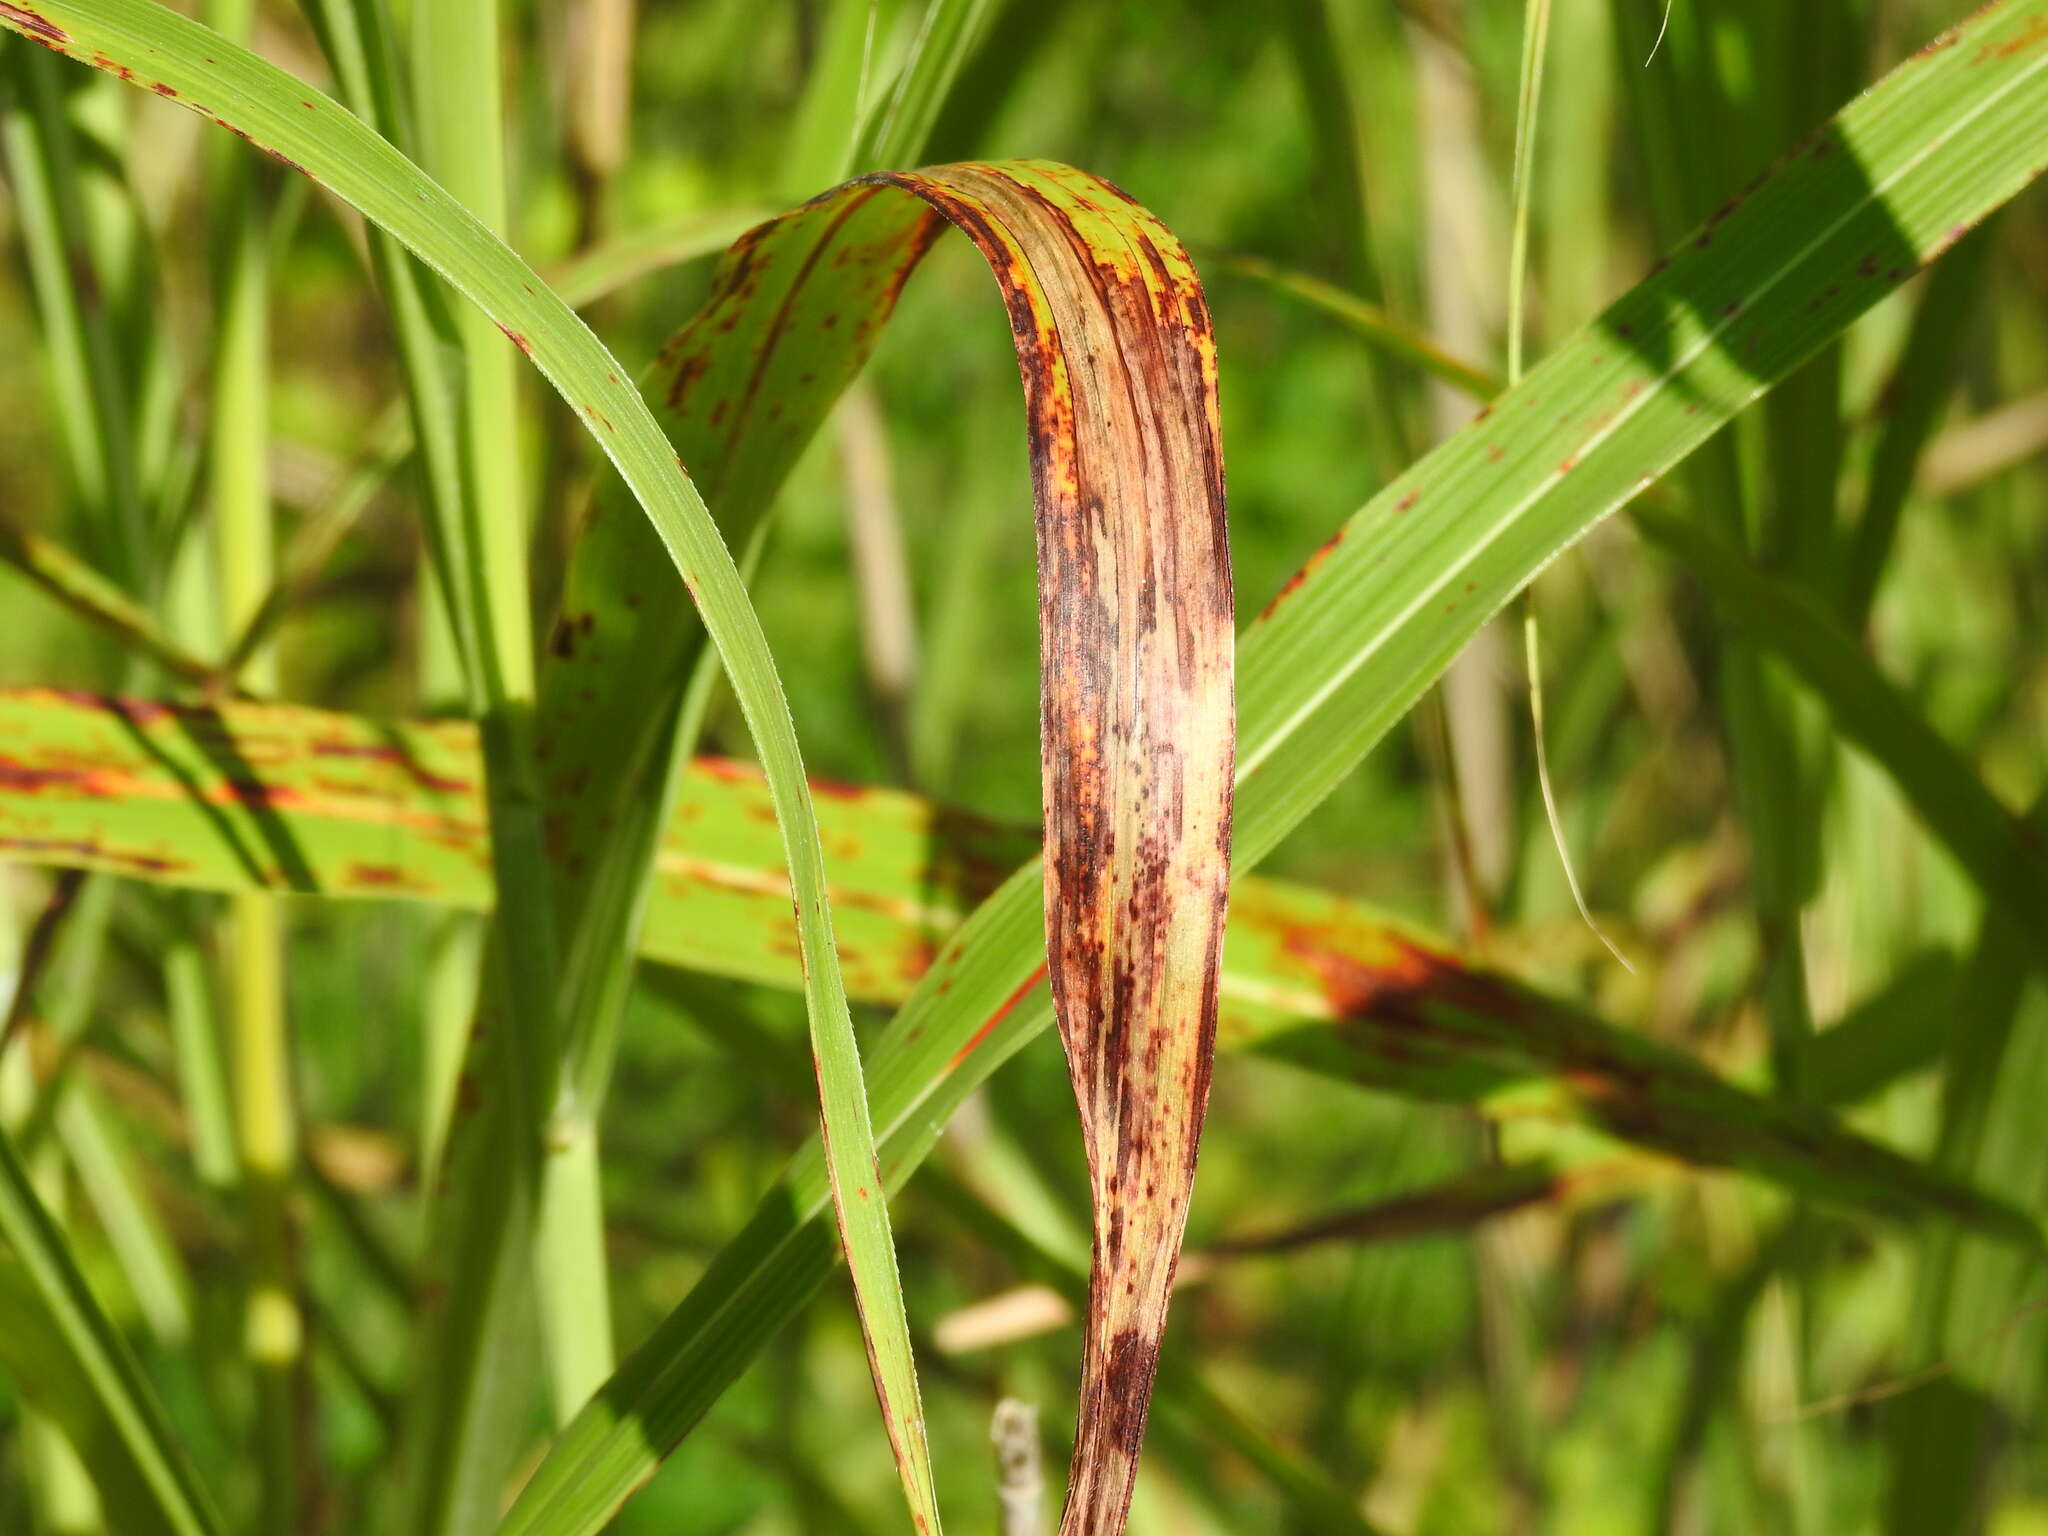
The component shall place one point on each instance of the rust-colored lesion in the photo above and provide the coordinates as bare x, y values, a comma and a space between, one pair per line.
2032, 33
1307, 569
89, 853
36, 26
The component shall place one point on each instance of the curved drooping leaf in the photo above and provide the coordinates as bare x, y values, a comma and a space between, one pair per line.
1113, 341
1137, 658
209, 797
1119, 384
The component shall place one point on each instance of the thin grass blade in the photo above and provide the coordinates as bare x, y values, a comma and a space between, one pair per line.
146, 1459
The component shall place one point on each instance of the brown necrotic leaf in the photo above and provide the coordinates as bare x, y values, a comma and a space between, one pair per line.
1136, 626
1118, 363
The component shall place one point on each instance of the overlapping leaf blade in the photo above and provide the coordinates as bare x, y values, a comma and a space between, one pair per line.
382, 809
102, 1396
1991, 54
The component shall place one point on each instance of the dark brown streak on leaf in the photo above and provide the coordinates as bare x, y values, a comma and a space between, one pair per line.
40, 29
1453, 1033
1118, 366
1456, 1205
751, 393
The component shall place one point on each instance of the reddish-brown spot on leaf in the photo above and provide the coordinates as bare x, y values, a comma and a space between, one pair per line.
36, 26
1008, 1007
1307, 569
2030, 34
1128, 477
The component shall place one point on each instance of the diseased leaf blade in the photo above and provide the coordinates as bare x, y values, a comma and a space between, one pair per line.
1118, 364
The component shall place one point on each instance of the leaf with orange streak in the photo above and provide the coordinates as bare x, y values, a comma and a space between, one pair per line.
246, 796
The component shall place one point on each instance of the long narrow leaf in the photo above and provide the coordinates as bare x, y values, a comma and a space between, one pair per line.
143, 1456
156, 49
1997, 848
1112, 337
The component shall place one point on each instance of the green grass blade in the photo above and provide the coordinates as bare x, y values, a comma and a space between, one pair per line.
1913, 401
149, 1261
147, 1456
1327, 69
456, 56
263, 1100
196, 1049
1308, 978
897, 129
43, 157
1371, 322
1900, 1030
616, 738
794, 310
1994, 845
1535, 44
465, 1422
184, 62
100, 602
604, 269
383, 810
1987, 840
1887, 186
1996, 1070
826, 126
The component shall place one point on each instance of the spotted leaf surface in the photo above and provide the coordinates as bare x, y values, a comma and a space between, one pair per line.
1118, 365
